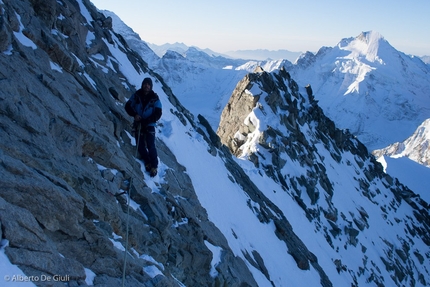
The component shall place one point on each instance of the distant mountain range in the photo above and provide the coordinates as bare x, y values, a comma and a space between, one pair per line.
259, 54
252, 55
264, 54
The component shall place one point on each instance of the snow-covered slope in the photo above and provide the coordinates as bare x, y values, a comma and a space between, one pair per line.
426, 59
133, 39
416, 147
287, 146
202, 80
201, 88
412, 174
409, 160
365, 85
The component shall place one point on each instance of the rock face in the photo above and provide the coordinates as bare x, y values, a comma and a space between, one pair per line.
61, 123
269, 122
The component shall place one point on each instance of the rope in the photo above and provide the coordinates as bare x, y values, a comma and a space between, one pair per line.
128, 211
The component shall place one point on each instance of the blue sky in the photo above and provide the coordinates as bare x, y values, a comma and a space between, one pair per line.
227, 25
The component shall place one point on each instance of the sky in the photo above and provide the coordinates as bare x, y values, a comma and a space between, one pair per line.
297, 26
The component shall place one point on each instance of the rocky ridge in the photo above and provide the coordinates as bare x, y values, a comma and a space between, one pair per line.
65, 160
269, 122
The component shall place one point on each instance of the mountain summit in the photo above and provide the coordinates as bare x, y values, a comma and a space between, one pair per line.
367, 44
368, 87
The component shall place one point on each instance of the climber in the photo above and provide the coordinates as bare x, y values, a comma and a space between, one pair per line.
145, 106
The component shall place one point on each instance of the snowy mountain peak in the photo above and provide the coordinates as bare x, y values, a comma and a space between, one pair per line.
173, 55
160, 50
366, 44
381, 92
371, 38
194, 50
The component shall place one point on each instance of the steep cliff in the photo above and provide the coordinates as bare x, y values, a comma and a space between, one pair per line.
375, 226
66, 156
